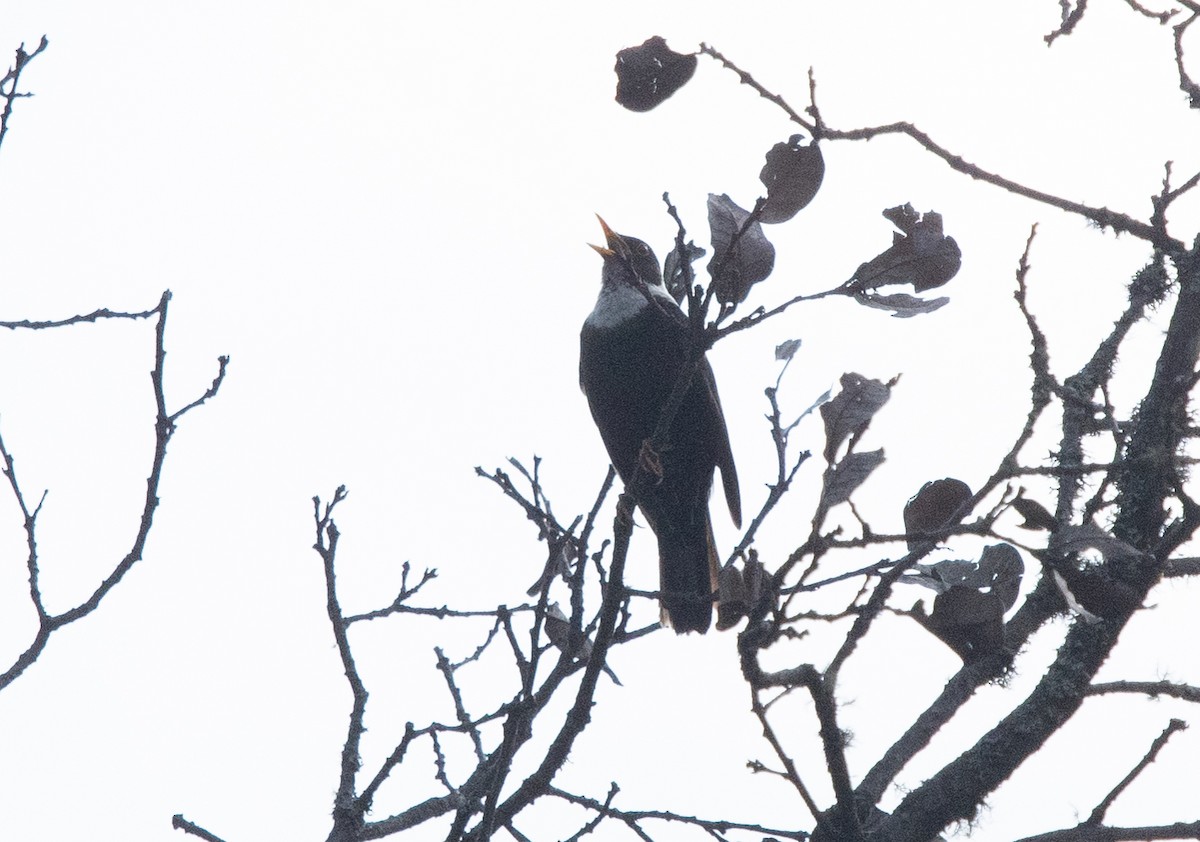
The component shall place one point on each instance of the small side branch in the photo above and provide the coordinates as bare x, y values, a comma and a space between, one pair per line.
347, 813
1186, 83
8, 85
715, 827
164, 429
1097, 815
178, 822
1153, 689
579, 715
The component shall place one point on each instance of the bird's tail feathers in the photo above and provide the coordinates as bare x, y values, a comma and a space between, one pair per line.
688, 566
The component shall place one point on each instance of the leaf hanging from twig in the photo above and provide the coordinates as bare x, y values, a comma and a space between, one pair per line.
792, 176
787, 349
742, 254
921, 255
649, 73
1036, 515
673, 269
842, 479
901, 305
934, 507
968, 621
849, 413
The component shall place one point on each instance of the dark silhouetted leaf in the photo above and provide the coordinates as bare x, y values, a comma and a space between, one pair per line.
934, 506
843, 478
787, 349
849, 413
558, 629
1093, 594
792, 176
1089, 536
901, 305
760, 588
558, 565
999, 570
758, 581
1069, 598
746, 592
920, 254
1093, 587
1035, 514
732, 601
649, 73
940, 576
742, 261
673, 274
969, 622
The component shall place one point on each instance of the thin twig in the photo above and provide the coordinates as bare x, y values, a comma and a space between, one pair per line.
1153, 689
164, 429
1097, 815
714, 825
178, 822
1103, 217
346, 804
11, 78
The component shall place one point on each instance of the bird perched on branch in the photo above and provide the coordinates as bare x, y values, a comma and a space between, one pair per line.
632, 350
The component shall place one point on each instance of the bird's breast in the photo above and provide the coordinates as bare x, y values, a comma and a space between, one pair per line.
616, 305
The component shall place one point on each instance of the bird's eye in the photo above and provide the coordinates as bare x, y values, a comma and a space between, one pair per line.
645, 248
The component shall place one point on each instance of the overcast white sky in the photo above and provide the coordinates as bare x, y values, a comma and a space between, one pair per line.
379, 211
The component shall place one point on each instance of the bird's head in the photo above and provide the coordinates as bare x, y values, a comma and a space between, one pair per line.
626, 259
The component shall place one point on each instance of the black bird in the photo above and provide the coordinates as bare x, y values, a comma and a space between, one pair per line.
631, 351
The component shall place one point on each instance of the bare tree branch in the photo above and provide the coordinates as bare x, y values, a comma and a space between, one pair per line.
178, 822
1187, 692
1097, 815
164, 429
8, 85
1101, 216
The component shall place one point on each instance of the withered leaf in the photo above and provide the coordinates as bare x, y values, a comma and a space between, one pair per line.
851, 410
558, 629
1091, 592
787, 349
843, 478
920, 254
649, 73
999, 571
741, 261
673, 269
934, 506
1089, 536
1001, 568
1035, 514
792, 176
969, 622
900, 304
732, 601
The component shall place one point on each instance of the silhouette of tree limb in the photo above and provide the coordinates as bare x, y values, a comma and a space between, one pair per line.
8, 85
164, 429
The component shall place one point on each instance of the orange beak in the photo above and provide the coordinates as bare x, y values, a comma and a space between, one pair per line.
615, 244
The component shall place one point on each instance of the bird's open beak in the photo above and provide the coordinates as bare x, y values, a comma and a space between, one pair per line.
616, 246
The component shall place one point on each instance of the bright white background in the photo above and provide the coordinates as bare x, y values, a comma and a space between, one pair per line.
380, 211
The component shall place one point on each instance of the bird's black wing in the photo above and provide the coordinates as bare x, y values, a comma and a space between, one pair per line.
719, 438
717, 432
